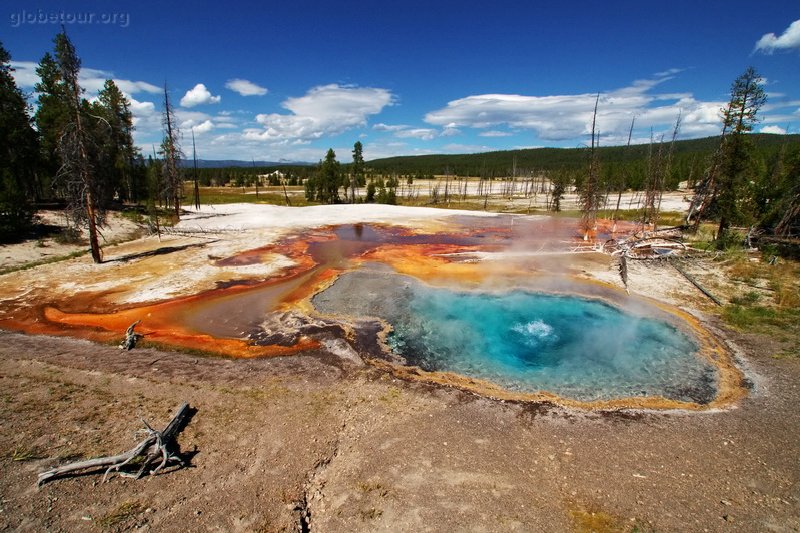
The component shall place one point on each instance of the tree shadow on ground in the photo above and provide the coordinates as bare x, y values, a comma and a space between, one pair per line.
164, 250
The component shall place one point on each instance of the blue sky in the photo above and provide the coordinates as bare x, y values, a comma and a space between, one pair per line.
288, 80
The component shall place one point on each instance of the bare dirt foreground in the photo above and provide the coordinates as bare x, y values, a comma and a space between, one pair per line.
317, 442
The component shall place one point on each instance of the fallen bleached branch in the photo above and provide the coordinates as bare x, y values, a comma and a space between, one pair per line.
154, 452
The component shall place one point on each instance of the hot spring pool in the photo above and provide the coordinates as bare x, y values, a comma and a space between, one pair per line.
578, 348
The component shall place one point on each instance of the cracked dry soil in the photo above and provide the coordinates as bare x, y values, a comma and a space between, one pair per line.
315, 443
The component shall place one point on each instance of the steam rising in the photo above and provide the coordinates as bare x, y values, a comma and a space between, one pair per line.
524, 341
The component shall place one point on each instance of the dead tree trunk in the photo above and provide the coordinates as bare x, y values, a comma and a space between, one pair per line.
172, 156
590, 197
196, 183
624, 176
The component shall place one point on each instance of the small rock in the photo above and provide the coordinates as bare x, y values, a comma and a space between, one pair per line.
725, 502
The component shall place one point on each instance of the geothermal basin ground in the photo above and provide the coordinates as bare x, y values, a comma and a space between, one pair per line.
305, 419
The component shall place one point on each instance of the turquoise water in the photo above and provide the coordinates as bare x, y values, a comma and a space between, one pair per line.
525, 341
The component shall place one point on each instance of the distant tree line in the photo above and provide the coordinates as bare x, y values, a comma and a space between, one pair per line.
274, 176
690, 158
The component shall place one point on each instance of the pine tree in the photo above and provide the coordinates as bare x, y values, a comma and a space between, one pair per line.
18, 159
357, 170
118, 151
51, 118
739, 117
723, 190
329, 179
560, 181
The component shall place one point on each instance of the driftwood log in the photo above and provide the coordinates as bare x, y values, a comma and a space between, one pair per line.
152, 454
695, 283
131, 337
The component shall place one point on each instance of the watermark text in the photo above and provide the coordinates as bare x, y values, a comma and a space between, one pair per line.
41, 16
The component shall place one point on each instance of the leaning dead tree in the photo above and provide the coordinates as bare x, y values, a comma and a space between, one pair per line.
151, 455
790, 221
77, 175
171, 151
791, 216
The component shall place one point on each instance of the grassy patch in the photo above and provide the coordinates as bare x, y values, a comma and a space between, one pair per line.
391, 396
594, 520
665, 218
774, 313
759, 317
34, 264
25, 453
124, 512
138, 214
748, 298
234, 195
774, 307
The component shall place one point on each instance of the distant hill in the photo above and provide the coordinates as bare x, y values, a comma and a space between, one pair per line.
499, 163
231, 163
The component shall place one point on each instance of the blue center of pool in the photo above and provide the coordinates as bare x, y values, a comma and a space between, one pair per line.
575, 347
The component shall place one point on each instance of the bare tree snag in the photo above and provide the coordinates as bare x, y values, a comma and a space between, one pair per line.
152, 454
196, 183
591, 197
171, 149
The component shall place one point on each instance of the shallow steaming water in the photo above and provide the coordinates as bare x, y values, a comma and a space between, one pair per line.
524, 341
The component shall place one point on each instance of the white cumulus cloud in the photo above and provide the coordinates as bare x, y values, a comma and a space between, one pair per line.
450, 130
426, 134
567, 117
245, 87
91, 79
389, 127
24, 73
199, 95
773, 129
323, 110
789, 39
204, 127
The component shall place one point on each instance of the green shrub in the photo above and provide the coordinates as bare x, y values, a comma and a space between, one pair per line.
748, 298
